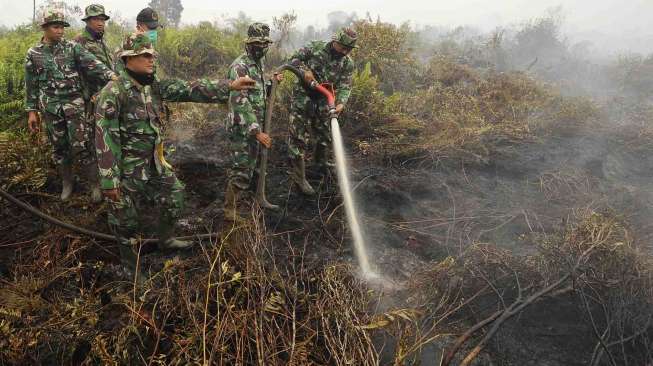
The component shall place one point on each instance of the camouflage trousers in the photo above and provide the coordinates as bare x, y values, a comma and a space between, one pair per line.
164, 190
90, 128
68, 132
309, 125
244, 156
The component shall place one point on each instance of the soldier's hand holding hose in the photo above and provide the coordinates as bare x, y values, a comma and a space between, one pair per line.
264, 139
112, 194
33, 121
242, 83
278, 76
309, 77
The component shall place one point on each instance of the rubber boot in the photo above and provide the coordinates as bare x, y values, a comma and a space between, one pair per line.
166, 241
128, 259
94, 183
231, 203
66, 171
298, 176
322, 158
127, 256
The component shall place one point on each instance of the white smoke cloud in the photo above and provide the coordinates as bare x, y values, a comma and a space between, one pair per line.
607, 23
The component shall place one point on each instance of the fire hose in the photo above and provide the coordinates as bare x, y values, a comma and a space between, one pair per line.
341, 166
36, 212
260, 189
260, 186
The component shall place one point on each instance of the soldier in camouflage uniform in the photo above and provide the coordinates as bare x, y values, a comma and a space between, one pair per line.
328, 62
129, 143
147, 22
92, 39
53, 87
246, 116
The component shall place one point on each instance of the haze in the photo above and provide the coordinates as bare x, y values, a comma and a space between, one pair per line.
617, 25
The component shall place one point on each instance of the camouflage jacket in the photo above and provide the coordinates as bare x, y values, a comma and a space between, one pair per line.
53, 74
128, 128
316, 57
247, 107
100, 50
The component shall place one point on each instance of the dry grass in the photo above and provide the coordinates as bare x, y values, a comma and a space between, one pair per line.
24, 160
239, 301
463, 302
465, 113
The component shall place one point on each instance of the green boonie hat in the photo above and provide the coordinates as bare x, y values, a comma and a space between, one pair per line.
137, 44
94, 10
258, 32
149, 17
346, 37
51, 16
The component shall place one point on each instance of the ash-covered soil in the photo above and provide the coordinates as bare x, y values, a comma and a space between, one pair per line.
413, 212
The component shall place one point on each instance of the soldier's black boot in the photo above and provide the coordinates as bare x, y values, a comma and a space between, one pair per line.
322, 161
129, 260
166, 241
127, 256
298, 176
66, 171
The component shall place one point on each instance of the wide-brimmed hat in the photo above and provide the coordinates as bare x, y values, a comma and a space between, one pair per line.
137, 44
54, 16
95, 10
346, 37
258, 32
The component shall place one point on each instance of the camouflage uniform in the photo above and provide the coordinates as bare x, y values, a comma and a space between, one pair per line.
129, 142
247, 110
53, 87
94, 43
96, 46
309, 113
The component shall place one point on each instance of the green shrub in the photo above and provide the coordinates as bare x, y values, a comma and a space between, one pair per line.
198, 51
367, 104
13, 47
386, 48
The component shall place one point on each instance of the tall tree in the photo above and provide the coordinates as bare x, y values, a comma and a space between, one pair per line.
284, 27
169, 11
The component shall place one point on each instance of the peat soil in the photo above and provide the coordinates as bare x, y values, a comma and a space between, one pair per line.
414, 212
417, 211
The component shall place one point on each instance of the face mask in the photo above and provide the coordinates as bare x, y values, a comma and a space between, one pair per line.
335, 54
153, 35
258, 53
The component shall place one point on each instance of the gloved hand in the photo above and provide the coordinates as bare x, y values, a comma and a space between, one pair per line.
242, 83
308, 77
112, 194
33, 121
264, 139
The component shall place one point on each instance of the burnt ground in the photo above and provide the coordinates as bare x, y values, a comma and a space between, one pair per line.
417, 211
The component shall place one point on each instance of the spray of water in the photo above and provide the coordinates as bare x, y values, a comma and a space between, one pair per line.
345, 189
